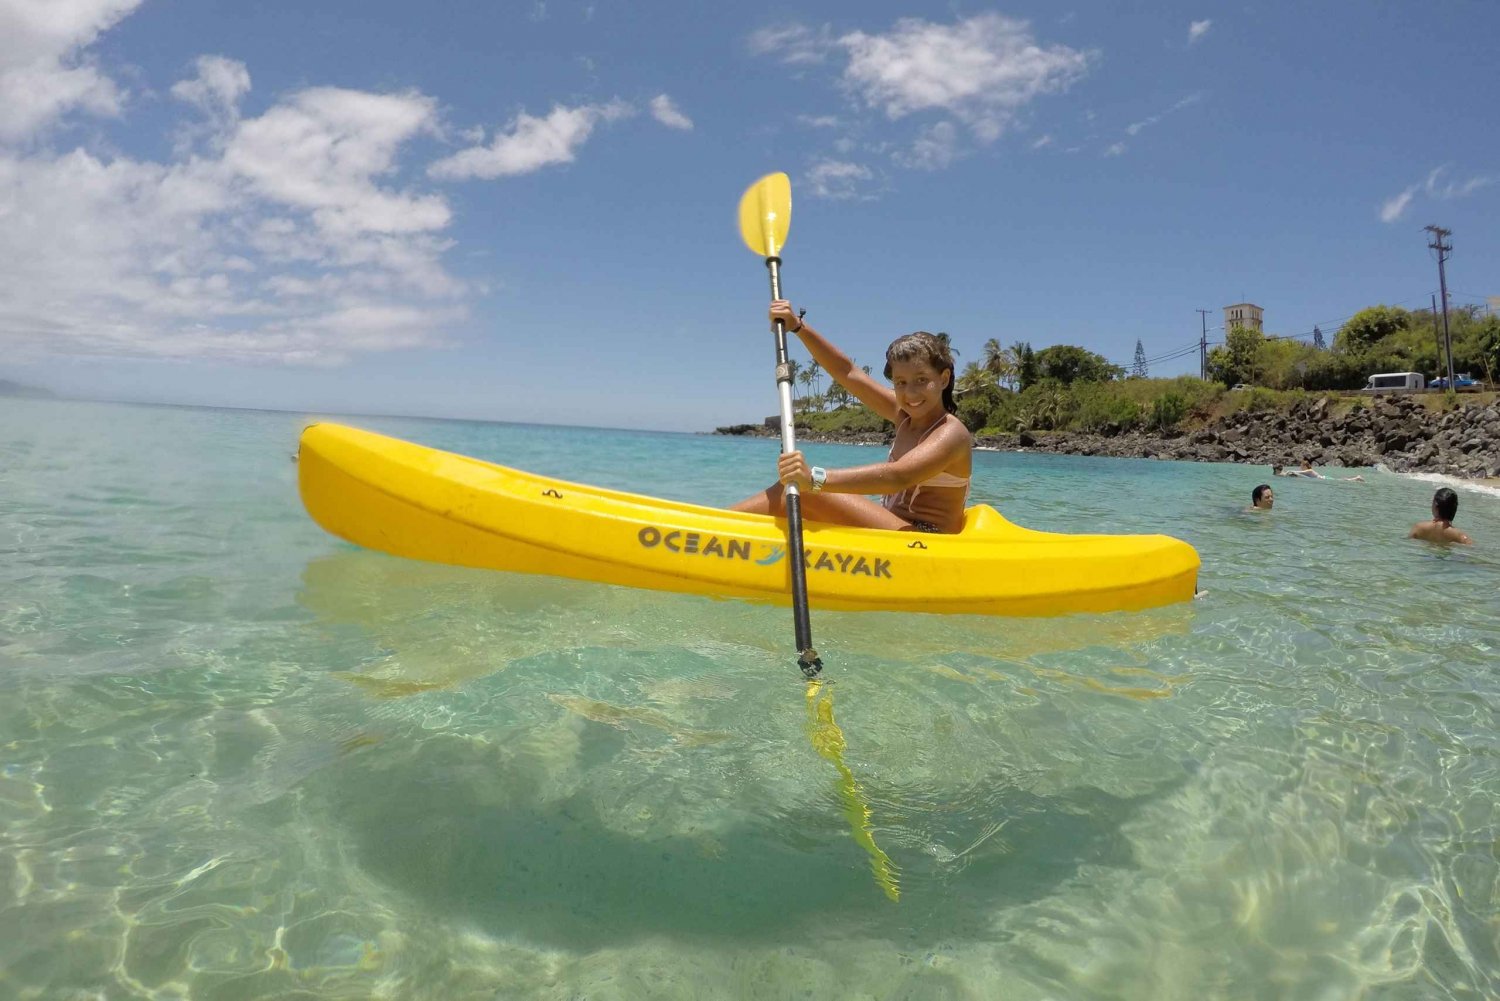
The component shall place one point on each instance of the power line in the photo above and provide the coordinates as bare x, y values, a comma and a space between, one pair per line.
1172, 352
1173, 356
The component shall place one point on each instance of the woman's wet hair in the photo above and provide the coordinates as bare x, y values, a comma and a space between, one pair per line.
1259, 492
924, 347
1445, 504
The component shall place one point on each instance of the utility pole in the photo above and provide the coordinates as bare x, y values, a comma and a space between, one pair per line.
1203, 346
1443, 250
1437, 338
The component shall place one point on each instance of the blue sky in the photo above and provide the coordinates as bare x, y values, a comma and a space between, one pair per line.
525, 211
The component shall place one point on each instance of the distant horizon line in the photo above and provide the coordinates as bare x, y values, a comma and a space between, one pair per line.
56, 397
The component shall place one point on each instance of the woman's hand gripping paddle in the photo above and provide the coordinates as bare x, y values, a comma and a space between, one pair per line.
765, 216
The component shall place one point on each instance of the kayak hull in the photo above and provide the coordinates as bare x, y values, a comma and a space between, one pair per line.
409, 500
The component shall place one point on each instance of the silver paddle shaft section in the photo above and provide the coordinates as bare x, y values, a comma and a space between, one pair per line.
783, 371
807, 657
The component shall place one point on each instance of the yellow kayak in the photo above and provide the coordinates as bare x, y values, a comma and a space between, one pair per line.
422, 503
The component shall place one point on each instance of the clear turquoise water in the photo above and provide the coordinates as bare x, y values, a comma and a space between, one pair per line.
241, 759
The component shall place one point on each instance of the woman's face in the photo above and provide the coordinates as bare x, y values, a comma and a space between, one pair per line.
919, 387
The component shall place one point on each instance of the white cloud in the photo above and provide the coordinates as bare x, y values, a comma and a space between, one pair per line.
795, 44
1041, 142
934, 149
1394, 207
217, 88
819, 121
664, 111
1197, 29
293, 237
1445, 190
1135, 127
119, 257
837, 179
1115, 149
531, 144
43, 74
281, 243
981, 70
216, 92
322, 150
1436, 187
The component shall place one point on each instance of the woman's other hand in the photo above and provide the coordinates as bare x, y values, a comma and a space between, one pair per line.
793, 470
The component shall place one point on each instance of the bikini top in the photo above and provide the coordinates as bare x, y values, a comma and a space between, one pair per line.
939, 479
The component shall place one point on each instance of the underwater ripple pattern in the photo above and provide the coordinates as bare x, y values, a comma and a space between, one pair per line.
240, 759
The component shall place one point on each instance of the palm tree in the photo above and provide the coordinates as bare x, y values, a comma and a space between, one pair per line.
1000, 362
795, 368
947, 343
806, 378
975, 376
817, 377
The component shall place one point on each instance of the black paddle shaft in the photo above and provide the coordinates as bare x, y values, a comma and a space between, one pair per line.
807, 657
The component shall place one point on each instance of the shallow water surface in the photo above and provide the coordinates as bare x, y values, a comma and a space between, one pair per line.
242, 759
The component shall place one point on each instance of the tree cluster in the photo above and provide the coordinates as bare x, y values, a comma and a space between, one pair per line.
1066, 387
1378, 339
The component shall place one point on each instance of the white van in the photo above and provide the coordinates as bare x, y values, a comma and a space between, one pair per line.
1395, 382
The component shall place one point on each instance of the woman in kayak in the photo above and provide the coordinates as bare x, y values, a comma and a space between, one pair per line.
924, 482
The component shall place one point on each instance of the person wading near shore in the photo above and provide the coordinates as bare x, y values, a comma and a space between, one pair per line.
1440, 528
1262, 498
924, 481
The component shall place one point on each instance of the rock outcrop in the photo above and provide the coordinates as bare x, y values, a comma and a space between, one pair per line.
1395, 431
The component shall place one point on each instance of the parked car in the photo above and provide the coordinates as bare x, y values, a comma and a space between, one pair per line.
1462, 380
1238, 387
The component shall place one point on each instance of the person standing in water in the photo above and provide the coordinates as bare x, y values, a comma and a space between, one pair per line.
1262, 498
1440, 528
924, 482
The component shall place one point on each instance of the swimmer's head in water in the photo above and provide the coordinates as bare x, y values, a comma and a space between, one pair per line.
1445, 505
1263, 497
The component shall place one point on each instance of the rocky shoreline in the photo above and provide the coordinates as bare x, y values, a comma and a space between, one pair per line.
1397, 432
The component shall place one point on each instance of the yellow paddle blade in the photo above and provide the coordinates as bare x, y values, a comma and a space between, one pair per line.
766, 214
828, 740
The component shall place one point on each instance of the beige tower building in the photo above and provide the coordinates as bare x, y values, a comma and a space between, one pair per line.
1243, 314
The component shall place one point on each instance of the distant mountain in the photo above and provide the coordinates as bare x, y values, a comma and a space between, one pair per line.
8, 388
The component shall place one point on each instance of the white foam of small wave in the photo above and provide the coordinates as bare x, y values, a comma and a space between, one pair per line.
1457, 482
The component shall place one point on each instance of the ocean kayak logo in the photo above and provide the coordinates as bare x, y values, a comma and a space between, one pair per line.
698, 544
